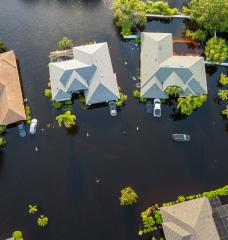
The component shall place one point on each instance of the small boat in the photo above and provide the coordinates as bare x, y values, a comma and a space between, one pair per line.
181, 137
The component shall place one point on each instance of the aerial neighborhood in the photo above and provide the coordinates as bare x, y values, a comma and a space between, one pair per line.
120, 123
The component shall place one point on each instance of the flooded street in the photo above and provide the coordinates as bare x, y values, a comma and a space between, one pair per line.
75, 177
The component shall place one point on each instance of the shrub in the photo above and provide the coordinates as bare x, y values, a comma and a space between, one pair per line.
65, 43
2, 47
199, 35
122, 100
82, 99
216, 50
148, 222
173, 91
136, 93
223, 94
223, 80
138, 40
142, 100
42, 221
17, 235
160, 7
28, 113
57, 105
2, 129
190, 103
129, 14
2, 142
128, 196
225, 112
68, 102
48, 93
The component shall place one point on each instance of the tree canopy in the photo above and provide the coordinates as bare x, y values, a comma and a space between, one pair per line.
129, 14
210, 14
65, 43
216, 50
128, 196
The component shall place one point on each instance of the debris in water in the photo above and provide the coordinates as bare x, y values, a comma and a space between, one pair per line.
42, 129
136, 45
137, 128
97, 180
132, 49
134, 78
124, 132
87, 134
36, 149
125, 63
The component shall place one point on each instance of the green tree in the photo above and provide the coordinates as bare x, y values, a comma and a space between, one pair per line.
17, 235
223, 94
2, 47
48, 93
57, 105
216, 50
2, 142
225, 112
2, 129
199, 35
129, 14
128, 196
65, 43
160, 7
42, 221
173, 91
67, 119
210, 14
223, 80
32, 209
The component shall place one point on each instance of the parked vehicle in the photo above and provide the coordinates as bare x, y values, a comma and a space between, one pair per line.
33, 125
181, 137
112, 108
157, 107
21, 129
149, 106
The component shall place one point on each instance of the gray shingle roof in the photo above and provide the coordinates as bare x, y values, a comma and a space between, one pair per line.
90, 71
159, 64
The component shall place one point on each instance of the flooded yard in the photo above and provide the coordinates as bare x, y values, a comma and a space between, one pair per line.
75, 177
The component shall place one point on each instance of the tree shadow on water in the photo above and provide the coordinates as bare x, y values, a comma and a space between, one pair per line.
73, 131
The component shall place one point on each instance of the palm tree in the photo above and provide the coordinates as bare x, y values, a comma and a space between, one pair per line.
223, 94
185, 105
67, 119
225, 111
33, 209
223, 79
198, 101
42, 221
173, 91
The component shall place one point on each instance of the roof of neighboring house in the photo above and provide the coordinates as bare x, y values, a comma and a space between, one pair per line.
11, 100
160, 69
189, 220
90, 71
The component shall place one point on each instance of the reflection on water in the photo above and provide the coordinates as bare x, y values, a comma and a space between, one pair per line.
131, 149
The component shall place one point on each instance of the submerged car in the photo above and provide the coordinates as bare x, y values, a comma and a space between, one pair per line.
21, 129
181, 137
149, 106
33, 125
157, 107
112, 108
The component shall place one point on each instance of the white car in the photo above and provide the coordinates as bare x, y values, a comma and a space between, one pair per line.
112, 108
157, 107
33, 125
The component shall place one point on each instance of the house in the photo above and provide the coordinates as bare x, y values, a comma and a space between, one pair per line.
11, 100
160, 69
89, 71
190, 220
